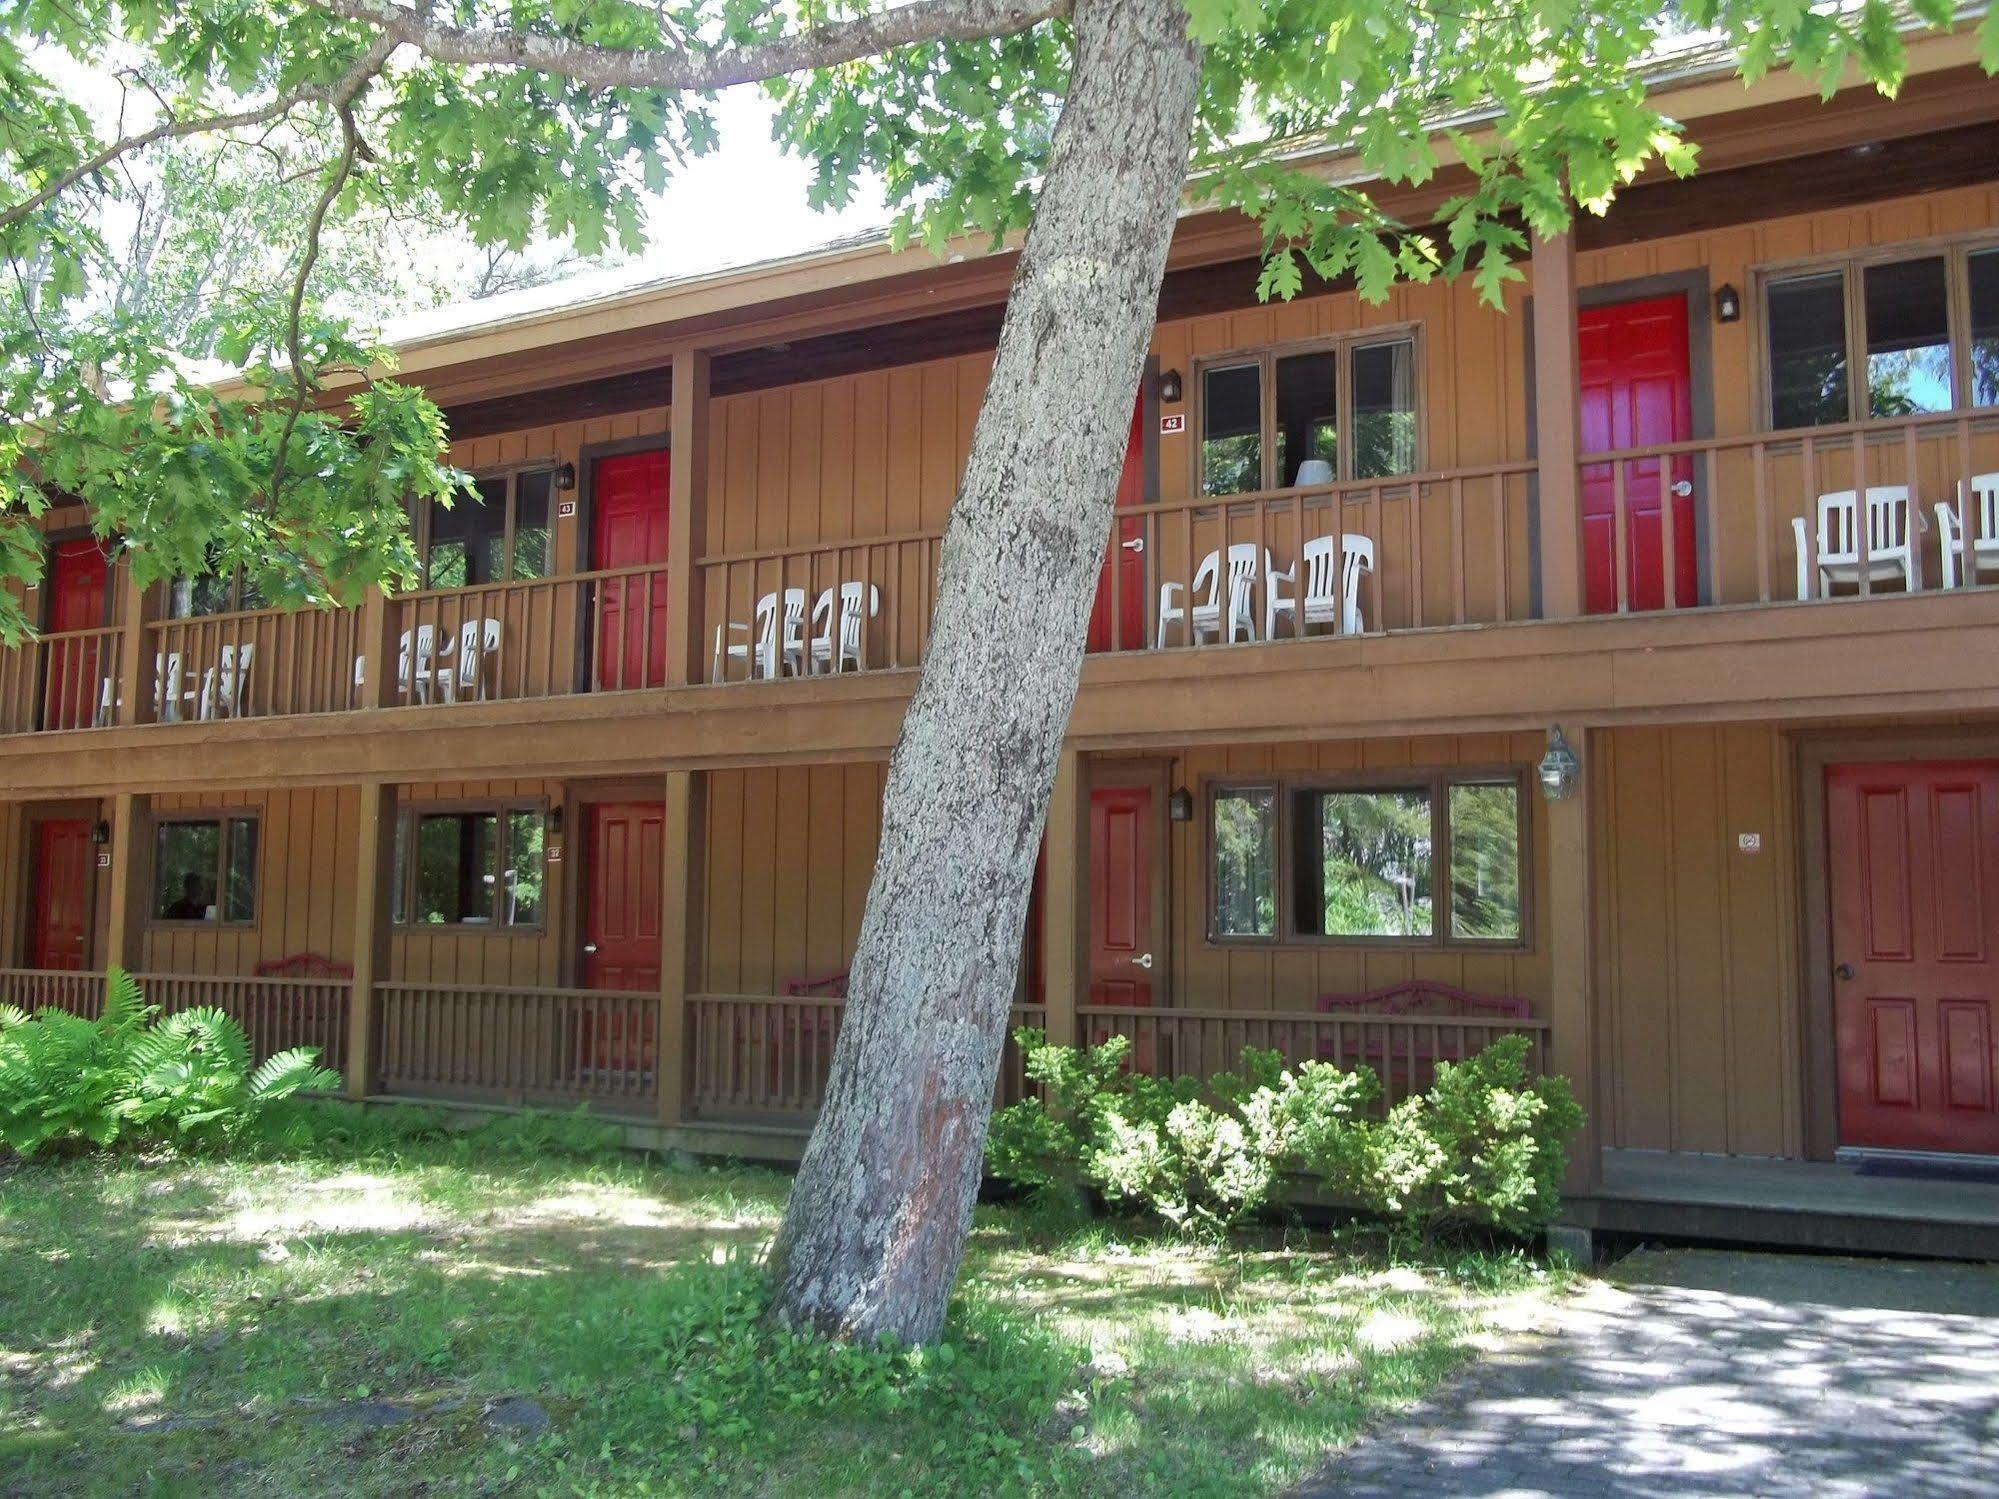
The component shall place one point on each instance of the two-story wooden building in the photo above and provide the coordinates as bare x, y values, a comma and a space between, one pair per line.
1621, 669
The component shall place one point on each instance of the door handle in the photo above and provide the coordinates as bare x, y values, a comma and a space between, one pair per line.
1143, 960
1136, 544
1683, 487
1844, 971
589, 947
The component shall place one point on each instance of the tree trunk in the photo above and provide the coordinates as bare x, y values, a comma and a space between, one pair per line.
877, 1219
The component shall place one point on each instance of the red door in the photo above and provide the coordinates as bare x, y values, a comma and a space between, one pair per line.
1122, 954
1125, 553
76, 602
1914, 851
59, 935
622, 860
1637, 391
628, 530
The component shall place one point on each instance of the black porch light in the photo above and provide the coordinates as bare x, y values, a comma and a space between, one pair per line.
1559, 767
1180, 805
1728, 305
565, 477
100, 832
1171, 388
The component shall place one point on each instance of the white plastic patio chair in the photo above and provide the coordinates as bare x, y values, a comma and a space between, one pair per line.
1205, 617
1333, 565
224, 685
1985, 541
478, 649
768, 653
1891, 546
836, 639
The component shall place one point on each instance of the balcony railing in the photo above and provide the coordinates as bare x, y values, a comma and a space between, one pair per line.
60, 681
1773, 516
253, 663
276, 1014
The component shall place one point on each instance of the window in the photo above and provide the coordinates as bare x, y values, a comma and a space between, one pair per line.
1432, 859
205, 869
470, 867
1245, 868
502, 535
1264, 417
1894, 321
213, 592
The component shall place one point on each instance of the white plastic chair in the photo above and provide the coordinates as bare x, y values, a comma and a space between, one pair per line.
768, 653
1985, 542
1205, 618
1333, 566
836, 640
1891, 547
223, 686
478, 644
416, 672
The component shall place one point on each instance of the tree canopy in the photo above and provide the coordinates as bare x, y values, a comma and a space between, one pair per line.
552, 120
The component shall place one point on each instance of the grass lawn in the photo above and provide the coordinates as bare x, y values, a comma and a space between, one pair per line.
401, 1316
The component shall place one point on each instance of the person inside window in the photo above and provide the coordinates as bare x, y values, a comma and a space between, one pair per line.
193, 903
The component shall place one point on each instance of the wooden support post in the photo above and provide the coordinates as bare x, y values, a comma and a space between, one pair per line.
374, 872
682, 885
1571, 976
136, 682
125, 917
1557, 435
378, 644
687, 516
1064, 923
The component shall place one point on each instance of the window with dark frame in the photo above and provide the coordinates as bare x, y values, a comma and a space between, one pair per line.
205, 869
1435, 859
502, 536
1349, 405
474, 866
1879, 337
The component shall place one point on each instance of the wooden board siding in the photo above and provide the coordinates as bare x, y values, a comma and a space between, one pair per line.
1696, 940
1241, 976
789, 855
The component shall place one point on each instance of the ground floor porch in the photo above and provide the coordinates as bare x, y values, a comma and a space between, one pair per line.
1667, 927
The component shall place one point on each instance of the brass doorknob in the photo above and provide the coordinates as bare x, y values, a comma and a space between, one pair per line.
1844, 971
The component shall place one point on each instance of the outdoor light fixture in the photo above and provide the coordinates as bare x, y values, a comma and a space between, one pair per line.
100, 832
555, 821
1170, 388
1559, 766
565, 477
1728, 305
1180, 805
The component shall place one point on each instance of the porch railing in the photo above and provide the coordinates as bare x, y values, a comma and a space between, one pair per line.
1403, 1050
854, 605
67, 680
276, 1013
254, 663
78, 992
1745, 512
519, 1045
755, 1057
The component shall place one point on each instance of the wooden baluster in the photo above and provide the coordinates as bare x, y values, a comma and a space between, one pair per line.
1863, 527
1759, 454
1968, 538
1915, 511
1709, 460
1501, 590
1457, 551
1669, 537
1620, 524
1380, 560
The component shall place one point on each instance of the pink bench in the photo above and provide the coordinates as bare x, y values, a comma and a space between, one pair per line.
1418, 1000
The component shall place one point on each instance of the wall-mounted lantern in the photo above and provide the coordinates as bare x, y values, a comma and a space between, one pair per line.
1559, 767
1180, 805
100, 832
1728, 305
1171, 388
565, 477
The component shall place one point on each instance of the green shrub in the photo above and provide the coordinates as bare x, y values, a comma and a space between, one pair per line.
127, 1078
1485, 1145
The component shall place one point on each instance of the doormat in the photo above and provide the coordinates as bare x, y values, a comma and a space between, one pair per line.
1939, 1171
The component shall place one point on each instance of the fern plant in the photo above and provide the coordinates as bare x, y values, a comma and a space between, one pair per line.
125, 1077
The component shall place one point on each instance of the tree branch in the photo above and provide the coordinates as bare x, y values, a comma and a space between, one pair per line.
365, 67
669, 67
